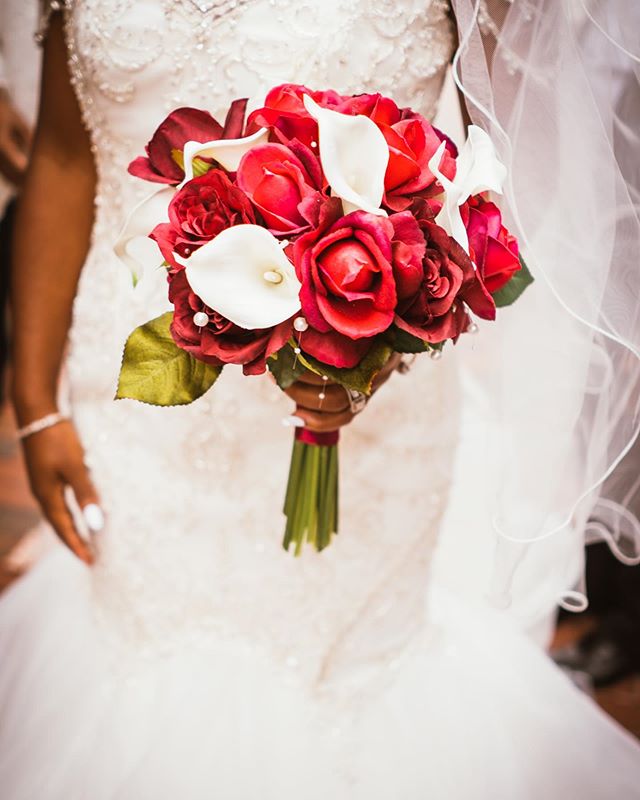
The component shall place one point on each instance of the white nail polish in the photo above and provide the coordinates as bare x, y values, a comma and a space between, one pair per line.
94, 517
293, 422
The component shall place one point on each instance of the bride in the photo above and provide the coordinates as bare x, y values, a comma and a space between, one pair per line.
173, 649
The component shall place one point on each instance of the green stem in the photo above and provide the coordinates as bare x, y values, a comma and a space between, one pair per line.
311, 500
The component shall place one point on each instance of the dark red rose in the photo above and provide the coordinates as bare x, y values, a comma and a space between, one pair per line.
432, 296
285, 115
412, 143
220, 341
494, 249
278, 179
199, 211
181, 126
345, 269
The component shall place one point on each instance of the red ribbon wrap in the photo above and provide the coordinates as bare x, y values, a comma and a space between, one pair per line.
320, 439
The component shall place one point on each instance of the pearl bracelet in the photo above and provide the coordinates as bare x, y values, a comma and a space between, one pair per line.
41, 424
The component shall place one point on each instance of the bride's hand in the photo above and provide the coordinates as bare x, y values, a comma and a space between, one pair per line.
55, 459
334, 411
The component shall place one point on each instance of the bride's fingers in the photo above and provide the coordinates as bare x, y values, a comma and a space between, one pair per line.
324, 421
308, 396
57, 513
77, 476
312, 378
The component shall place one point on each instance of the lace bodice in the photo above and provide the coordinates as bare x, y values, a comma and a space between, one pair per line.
193, 495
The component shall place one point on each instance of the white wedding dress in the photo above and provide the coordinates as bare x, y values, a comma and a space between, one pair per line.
198, 660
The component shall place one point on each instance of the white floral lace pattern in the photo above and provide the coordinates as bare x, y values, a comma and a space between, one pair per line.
192, 547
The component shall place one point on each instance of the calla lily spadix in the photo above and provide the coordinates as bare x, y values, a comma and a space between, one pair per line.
227, 152
478, 169
354, 156
133, 246
244, 275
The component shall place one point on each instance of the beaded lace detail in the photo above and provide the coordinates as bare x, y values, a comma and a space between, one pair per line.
193, 495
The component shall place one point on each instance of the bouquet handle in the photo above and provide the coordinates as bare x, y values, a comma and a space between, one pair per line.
311, 501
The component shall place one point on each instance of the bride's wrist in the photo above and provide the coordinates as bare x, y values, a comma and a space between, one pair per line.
30, 406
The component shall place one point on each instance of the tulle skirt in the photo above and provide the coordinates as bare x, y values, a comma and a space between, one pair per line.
471, 710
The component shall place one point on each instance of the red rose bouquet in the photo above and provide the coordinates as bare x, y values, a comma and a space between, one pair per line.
325, 233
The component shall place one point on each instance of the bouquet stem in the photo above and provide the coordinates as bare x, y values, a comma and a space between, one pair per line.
311, 502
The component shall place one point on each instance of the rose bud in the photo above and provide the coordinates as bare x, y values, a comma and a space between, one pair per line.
278, 179
494, 249
346, 274
412, 143
285, 115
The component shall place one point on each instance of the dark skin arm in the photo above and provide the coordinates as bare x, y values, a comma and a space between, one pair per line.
52, 234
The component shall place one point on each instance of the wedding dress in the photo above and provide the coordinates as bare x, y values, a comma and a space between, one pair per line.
197, 659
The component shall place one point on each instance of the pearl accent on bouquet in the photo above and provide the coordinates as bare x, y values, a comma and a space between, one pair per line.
300, 324
244, 275
473, 328
435, 355
200, 319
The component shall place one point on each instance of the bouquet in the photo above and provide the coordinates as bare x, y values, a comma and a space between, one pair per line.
324, 233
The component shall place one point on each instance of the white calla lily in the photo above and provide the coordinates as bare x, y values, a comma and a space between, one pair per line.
133, 246
244, 275
478, 169
354, 156
227, 152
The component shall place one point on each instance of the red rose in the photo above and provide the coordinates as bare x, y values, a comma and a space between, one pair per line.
278, 179
199, 212
412, 143
432, 296
382, 110
407, 251
181, 126
494, 249
285, 115
345, 269
220, 341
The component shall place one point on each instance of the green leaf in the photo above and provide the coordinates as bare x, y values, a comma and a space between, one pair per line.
156, 371
200, 166
404, 342
281, 365
512, 290
360, 377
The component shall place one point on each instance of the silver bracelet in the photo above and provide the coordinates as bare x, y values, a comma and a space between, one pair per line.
41, 424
